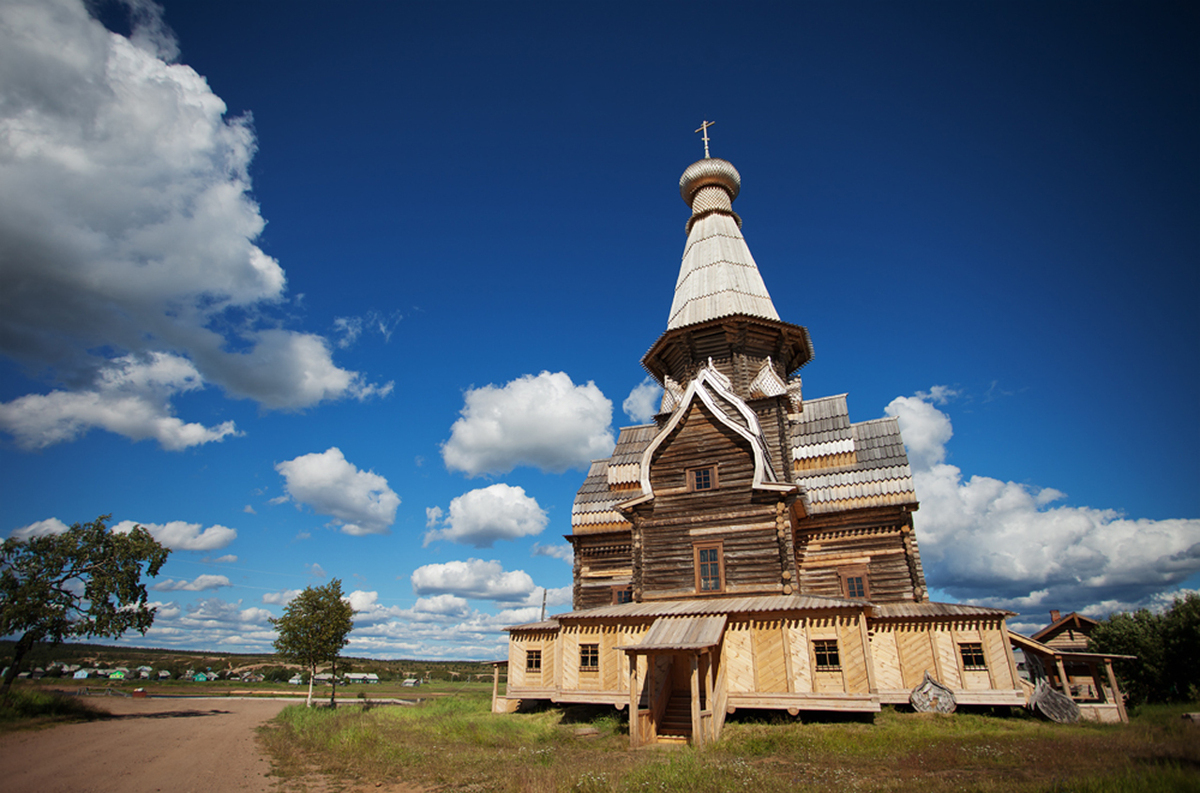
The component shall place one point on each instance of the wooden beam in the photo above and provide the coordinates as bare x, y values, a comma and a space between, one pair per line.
1062, 676
1116, 692
697, 730
634, 717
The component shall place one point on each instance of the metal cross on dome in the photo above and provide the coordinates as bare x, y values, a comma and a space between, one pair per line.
704, 128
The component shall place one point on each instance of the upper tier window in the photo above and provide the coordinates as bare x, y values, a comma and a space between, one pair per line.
699, 479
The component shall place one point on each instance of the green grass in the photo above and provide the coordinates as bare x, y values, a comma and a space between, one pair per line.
456, 743
30, 707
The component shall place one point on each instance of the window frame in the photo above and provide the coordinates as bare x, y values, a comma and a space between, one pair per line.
533, 660
855, 571
711, 545
692, 473
831, 651
589, 651
975, 650
619, 591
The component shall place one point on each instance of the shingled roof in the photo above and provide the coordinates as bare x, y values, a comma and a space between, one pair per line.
866, 463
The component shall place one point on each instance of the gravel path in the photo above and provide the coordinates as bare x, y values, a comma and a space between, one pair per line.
153, 744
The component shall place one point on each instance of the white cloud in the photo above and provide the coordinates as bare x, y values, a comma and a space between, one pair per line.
497, 512
40, 528
360, 501
180, 536
228, 558
433, 516
561, 551
280, 598
926, 430
1004, 543
643, 401
200, 584
315, 570
444, 605
545, 421
128, 230
130, 397
207, 624
249, 510
474, 578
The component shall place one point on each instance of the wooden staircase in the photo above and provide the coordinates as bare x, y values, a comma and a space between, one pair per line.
676, 723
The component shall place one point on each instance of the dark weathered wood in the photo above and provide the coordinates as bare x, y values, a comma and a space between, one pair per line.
932, 697
1053, 704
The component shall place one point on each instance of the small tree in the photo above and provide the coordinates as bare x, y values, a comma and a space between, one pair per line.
84, 582
314, 629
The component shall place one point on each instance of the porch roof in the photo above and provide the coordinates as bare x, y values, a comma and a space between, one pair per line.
681, 633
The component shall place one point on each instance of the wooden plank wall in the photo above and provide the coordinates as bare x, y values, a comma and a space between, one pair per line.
744, 520
738, 657
885, 653
799, 655
568, 657
770, 662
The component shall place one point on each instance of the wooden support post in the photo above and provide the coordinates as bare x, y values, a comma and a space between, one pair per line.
1062, 676
697, 731
495, 685
708, 696
1116, 692
1095, 670
634, 716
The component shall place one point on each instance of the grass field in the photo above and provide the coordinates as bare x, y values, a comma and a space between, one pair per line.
456, 743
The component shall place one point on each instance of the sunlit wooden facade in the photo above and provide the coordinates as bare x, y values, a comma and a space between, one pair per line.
748, 548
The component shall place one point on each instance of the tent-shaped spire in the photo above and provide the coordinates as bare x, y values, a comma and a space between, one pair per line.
718, 276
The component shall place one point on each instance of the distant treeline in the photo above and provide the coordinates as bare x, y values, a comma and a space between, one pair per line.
177, 662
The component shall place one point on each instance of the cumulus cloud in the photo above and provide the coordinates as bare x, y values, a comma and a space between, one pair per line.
40, 528
474, 578
281, 598
360, 502
315, 570
228, 558
200, 584
1007, 544
443, 605
544, 421
128, 231
480, 517
131, 396
209, 623
561, 551
643, 401
181, 536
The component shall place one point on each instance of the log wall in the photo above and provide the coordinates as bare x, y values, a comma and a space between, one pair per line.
874, 539
744, 520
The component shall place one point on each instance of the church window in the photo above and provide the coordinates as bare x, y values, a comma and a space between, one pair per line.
972, 655
825, 652
709, 567
622, 594
533, 660
589, 657
854, 582
700, 479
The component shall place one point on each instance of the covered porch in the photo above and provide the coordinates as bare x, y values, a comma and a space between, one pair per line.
677, 699
1077, 675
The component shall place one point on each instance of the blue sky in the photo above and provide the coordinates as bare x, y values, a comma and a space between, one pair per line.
358, 294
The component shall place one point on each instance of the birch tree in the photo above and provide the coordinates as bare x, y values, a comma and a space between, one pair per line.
314, 628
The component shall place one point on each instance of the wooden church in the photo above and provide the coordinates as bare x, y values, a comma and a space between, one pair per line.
750, 548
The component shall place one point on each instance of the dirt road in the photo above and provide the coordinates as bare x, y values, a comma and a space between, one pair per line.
153, 744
